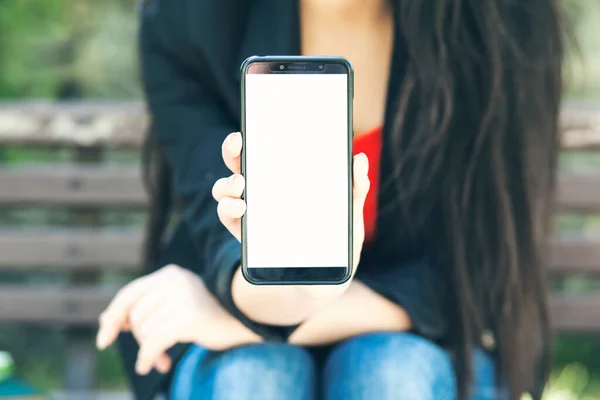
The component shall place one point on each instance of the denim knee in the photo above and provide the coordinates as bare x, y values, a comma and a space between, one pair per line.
389, 366
272, 369
262, 372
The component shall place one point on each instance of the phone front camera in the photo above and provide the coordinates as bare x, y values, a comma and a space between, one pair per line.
281, 67
320, 67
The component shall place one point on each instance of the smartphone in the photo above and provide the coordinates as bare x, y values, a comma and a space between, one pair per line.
297, 164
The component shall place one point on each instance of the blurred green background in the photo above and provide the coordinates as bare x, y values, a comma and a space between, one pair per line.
85, 49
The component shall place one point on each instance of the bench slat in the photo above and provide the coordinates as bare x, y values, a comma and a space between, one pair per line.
73, 185
579, 192
69, 305
576, 313
90, 249
73, 249
576, 255
124, 124
79, 185
83, 305
66, 124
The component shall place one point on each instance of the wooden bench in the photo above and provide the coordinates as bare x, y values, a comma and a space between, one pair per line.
85, 187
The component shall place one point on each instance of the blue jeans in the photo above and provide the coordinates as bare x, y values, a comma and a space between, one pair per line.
382, 366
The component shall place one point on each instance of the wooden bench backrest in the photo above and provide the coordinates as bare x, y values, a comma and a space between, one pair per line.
90, 186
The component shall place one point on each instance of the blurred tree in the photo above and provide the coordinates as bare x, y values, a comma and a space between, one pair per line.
583, 74
107, 64
32, 37
67, 49
86, 48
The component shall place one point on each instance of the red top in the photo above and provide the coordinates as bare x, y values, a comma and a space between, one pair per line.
370, 144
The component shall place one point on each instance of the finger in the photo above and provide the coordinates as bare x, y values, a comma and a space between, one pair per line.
360, 189
126, 326
229, 187
163, 363
151, 350
115, 317
232, 208
231, 151
230, 212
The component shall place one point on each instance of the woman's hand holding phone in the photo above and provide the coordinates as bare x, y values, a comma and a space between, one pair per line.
231, 207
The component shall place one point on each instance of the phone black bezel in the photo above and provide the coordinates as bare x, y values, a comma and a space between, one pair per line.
308, 275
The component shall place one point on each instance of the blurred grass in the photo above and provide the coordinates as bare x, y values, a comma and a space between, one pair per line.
43, 372
576, 374
573, 382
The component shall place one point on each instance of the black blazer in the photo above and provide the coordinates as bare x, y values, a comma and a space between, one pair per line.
191, 51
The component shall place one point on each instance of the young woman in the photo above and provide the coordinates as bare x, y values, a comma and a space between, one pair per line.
456, 111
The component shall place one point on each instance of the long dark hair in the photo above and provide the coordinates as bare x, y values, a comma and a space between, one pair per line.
482, 94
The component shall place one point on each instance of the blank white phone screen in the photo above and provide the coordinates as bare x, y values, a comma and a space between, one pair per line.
297, 174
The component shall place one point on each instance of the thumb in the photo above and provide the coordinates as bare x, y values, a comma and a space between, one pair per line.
361, 185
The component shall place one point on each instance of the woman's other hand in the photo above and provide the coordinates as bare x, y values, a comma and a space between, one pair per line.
228, 191
169, 306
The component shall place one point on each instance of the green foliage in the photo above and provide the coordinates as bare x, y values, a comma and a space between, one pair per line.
67, 48
583, 69
110, 370
573, 382
86, 48
32, 35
